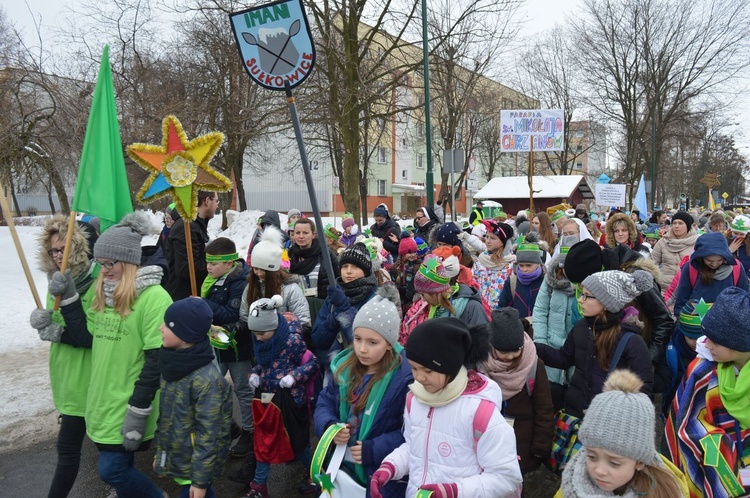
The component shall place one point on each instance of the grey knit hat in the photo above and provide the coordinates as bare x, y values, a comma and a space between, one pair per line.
621, 419
506, 330
381, 315
615, 288
122, 242
263, 315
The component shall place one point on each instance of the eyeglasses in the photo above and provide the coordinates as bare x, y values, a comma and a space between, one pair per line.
417, 218
586, 297
54, 252
107, 266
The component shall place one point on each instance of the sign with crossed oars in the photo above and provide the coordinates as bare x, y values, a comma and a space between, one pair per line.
275, 43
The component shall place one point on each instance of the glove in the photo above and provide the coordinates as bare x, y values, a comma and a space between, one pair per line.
51, 333
337, 296
63, 286
449, 490
40, 319
254, 380
380, 477
286, 382
134, 427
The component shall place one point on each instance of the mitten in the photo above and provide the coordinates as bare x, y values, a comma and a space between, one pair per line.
445, 490
337, 296
40, 319
134, 427
287, 381
254, 380
51, 333
63, 286
380, 477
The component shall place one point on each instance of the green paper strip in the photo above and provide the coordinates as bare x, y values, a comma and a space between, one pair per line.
423, 493
319, 457
712, 457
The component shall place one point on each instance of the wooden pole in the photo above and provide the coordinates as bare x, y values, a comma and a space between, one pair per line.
531, 177
191, 264
66, 253
19, 249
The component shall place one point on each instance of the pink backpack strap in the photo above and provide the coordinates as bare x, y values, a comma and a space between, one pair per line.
693, 274
482, 419
307, 356
409, 397
737, 272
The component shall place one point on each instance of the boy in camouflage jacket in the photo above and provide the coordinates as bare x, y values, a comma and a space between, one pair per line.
192, 440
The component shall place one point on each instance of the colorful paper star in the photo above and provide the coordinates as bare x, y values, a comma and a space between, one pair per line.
432, 264
702, 308
325, 483
179, 167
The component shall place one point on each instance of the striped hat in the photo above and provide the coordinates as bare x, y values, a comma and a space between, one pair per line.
690, 320
432, 277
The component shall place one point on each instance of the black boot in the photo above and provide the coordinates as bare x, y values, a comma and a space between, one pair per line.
235, 430
246, 472
243, 445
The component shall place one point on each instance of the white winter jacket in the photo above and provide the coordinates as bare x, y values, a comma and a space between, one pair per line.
439, 446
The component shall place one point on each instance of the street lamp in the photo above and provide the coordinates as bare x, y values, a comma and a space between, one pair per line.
427, 125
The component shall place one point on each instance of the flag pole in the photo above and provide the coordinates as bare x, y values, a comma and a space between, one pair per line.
308, 179
19, 249
191, 263
66, 253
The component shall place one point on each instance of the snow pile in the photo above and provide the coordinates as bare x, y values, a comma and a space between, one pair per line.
242, 228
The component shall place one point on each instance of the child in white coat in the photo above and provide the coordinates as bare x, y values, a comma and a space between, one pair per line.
457, 442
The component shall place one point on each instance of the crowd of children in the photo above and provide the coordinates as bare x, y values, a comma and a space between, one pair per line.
449, 360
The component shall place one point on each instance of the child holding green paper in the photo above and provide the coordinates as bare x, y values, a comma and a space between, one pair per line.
368, 393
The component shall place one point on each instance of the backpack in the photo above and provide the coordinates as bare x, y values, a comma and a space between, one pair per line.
481, 417
736, 273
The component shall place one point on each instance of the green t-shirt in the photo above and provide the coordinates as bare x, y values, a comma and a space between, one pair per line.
117, 361
70, 367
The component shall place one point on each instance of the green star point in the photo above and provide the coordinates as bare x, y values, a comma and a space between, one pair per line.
702, 308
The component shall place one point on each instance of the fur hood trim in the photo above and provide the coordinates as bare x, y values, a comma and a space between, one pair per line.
644, 264
80, 252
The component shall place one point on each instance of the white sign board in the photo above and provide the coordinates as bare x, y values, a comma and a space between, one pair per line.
610, 194
540, 129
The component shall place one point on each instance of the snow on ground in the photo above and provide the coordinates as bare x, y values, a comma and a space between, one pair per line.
27, 414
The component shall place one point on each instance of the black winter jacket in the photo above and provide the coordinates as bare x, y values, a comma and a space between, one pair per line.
225, 298
383, 231
588, 377
175, 250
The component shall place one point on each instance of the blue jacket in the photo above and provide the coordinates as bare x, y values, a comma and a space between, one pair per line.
225, 298
741, 254
553, 319
524, 298
710, 244
331, 320
386, 432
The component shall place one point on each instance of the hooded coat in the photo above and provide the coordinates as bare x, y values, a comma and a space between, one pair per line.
710, 244
384, 231
423, 231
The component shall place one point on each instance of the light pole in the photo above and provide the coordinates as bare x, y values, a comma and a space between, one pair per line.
427, 126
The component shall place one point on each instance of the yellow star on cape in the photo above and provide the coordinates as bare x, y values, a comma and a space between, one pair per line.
179, 167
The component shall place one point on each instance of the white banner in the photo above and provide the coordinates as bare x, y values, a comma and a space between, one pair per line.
540, 129
610, 194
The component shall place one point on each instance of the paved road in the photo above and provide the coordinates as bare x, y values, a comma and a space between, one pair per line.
28, 473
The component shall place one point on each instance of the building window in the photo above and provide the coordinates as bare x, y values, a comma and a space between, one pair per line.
381, 124
579, 148
578, 134
381, 188
381, 154
420, 161
420, 130
420, 99
403, 174
579, 165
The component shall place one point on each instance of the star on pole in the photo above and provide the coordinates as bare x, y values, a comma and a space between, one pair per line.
179, 167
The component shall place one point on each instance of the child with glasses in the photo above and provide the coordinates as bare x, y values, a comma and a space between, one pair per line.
592, 344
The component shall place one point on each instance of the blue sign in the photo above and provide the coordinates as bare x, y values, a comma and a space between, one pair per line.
275, 43
603, 179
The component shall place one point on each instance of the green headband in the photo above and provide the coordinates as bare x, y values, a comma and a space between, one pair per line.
691, 320
564, 249
528, 248
429, 271
329, 232
557, 215
222, 258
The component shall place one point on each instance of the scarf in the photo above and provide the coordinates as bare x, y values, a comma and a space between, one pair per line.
486, 260
210, 281
512, 382
360, 289
735, 391
723, 272
266, 351
449, 393
145, 277
175, 364
84, 279
561, 284
596, 323
303, 261
377, 392
438, 311
576, 482
527, 278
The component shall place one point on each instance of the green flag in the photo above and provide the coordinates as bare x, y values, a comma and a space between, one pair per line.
102, 188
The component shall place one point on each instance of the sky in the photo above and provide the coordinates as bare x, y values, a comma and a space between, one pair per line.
536, 16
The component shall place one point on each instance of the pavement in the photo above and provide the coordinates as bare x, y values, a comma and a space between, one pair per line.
28, 473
